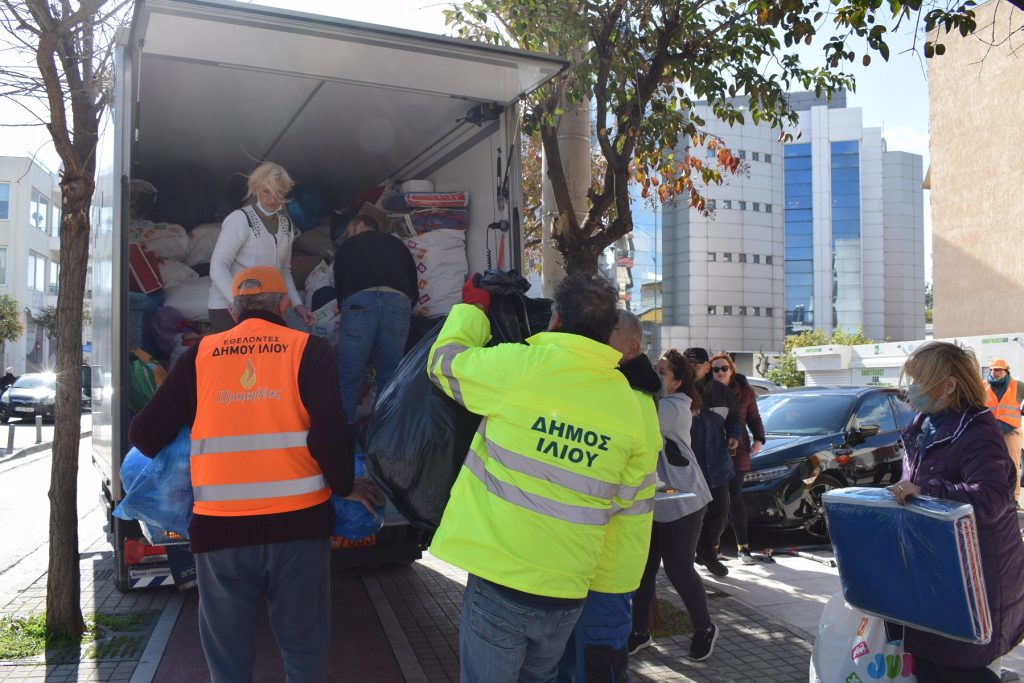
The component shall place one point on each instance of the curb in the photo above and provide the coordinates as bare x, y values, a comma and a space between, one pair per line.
34, 448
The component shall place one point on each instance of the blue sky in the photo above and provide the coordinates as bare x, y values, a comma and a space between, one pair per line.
893, 95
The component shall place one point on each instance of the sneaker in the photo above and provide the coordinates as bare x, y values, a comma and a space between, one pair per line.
703, 643
711, 561
637, 642
745, 556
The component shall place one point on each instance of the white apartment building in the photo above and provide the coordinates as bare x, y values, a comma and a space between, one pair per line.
825, 232
29, 256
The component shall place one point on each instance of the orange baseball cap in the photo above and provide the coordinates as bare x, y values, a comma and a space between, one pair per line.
267, 280
999, 364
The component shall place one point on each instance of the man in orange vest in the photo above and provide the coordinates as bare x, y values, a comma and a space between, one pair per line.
1005, 395
269, 445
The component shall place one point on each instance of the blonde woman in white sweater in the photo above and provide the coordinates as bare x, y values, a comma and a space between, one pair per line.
258, 234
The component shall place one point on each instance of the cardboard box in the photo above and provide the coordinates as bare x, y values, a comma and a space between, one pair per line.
379, 214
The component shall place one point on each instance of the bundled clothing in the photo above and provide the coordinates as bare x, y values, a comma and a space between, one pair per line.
961, 456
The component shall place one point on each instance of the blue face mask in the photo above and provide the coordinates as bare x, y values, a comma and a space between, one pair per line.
919, 400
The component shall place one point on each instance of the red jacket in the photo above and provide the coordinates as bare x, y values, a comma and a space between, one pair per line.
750, 418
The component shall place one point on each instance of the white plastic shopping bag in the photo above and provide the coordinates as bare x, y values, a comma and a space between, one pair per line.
852, 647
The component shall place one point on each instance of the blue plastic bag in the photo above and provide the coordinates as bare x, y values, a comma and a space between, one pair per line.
158, 492
351, 518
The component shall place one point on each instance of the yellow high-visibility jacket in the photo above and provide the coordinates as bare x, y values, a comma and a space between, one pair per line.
562, 450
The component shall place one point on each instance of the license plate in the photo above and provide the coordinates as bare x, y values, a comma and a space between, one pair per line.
342, 542
23, 409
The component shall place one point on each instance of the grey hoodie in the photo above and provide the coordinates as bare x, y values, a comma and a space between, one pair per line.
674, 420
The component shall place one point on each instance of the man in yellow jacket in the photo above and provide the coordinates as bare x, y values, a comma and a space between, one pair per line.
562, 456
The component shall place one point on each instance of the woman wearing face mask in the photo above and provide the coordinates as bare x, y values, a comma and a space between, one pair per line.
677, 522
955, 451
724, 371
258, 234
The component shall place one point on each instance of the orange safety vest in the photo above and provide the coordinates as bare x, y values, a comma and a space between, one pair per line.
249, 454
1006, 409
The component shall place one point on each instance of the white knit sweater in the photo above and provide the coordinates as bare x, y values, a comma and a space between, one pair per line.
240, 247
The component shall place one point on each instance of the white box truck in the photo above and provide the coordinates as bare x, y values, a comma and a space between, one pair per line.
222, 85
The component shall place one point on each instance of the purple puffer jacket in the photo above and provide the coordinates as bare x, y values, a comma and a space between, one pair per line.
967, 462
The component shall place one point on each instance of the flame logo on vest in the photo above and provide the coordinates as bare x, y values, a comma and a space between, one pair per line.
249, 376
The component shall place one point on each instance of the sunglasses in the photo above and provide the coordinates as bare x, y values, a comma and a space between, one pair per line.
719, 368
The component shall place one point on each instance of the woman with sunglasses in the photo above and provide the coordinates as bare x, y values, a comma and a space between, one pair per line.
724, 371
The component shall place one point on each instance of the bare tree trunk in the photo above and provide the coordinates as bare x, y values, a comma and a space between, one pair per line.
63, 584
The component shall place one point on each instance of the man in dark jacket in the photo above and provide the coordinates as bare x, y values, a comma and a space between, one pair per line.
376, 284
268, 448
720, 399
7, 380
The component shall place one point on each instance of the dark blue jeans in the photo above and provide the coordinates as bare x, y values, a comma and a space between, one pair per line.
596, 651
502, 640
294, 580
375, 321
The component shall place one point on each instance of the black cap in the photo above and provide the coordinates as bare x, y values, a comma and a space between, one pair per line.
695, 354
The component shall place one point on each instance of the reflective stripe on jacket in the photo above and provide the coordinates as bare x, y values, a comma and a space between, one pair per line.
562, 450
1006, 408
249, 452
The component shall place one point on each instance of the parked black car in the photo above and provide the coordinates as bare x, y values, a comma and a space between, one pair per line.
34, 393
819, 439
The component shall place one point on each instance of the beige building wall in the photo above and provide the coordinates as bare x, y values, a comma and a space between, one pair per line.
976, 96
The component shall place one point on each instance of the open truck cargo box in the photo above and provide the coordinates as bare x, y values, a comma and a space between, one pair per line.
341, 105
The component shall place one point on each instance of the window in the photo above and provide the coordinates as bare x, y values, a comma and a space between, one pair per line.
39, 211
769, 311
55, 220
757, 258
767, 208
726, 310
727, 204
712, 310
743, 258
741, 310
755, 156
712, 256
743, 206
727, 257
54, 278
711, 205
5, 199
36, 272
741, 154
768, 158
768, 260
757, 206
3, 266
755, 311
876, 410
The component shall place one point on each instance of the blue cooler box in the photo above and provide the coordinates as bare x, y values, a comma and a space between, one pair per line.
916, 564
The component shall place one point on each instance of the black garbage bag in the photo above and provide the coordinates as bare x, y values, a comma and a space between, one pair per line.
418, 438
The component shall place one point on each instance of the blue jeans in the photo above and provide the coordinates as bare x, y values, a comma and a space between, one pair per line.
370, 321
502, 640
596, 651
294, 580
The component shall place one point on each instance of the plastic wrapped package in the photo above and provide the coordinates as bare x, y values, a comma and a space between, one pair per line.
441, 268
176, 272
201, 241
158, 491
916, 564
169, 241
418, 438
191, 298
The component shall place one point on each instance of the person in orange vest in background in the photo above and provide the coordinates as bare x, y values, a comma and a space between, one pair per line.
1004, 396
269, 444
